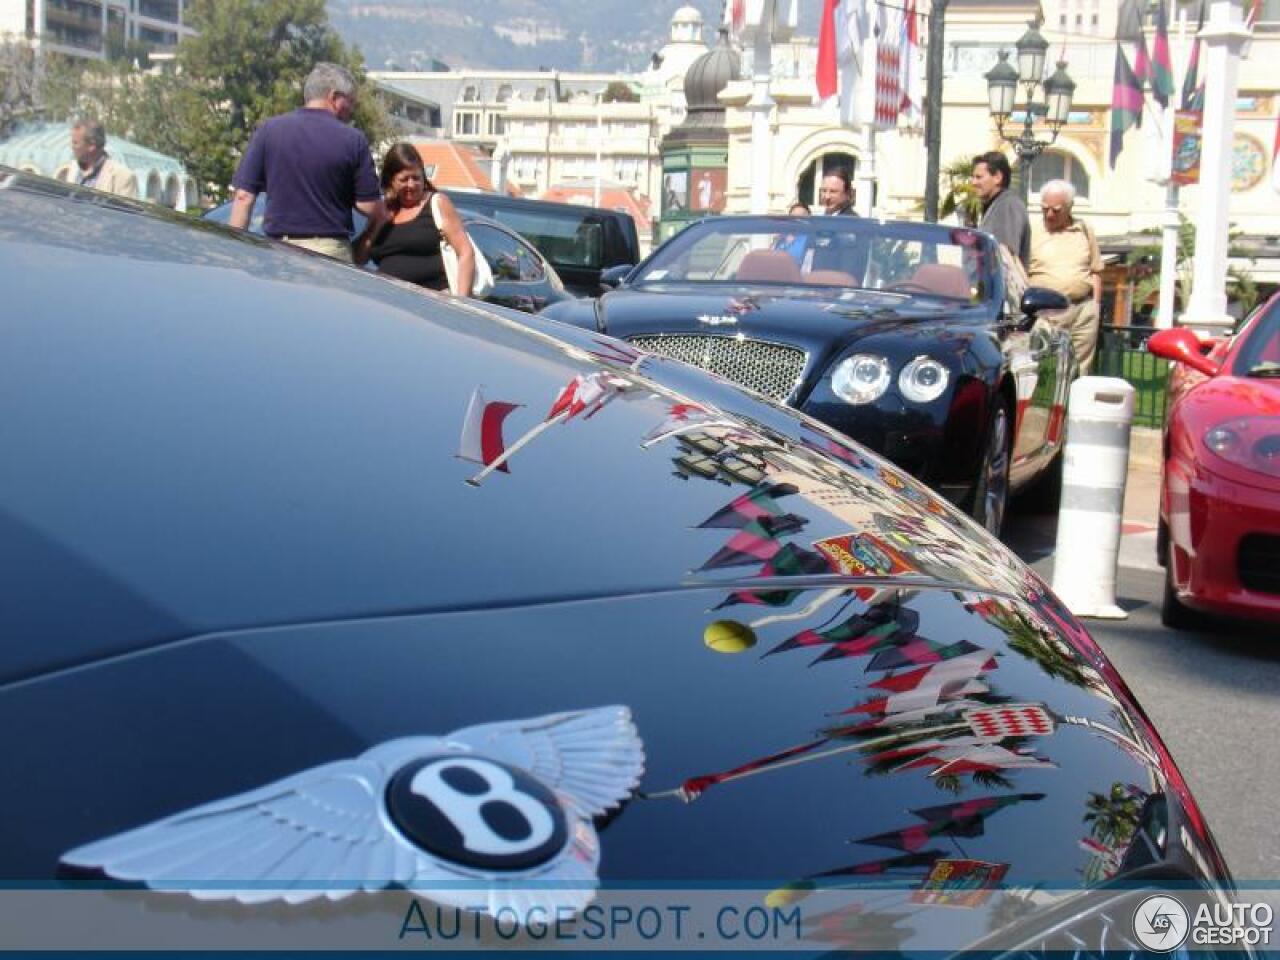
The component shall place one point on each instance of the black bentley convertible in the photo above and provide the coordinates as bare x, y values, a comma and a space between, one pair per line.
337, 615
896, 334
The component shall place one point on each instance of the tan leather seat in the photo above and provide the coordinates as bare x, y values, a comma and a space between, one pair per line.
834, 278
942, 279
769, 266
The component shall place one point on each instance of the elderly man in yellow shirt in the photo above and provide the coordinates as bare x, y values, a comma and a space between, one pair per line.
1065, 258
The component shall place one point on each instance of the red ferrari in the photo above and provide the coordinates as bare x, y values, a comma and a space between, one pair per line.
1219, 536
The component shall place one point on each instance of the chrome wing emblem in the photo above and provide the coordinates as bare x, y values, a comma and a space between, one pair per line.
516, 801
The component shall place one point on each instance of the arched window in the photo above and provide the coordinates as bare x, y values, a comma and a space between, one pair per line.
1056, 165
470, 94
810, 181
504, 93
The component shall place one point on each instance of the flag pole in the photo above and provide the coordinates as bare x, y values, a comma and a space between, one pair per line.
681, 794
933, 109
507, 453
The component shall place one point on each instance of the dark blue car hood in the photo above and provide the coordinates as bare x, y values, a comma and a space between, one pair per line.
239, 542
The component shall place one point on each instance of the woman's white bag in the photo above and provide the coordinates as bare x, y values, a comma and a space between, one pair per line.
482, 278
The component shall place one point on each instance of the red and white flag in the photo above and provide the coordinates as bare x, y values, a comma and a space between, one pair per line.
912, 84
482, 430
1010, 720
737, 18
681, 418
826, 78
585, 396
959, 668
988, 757
842, 34
888, 67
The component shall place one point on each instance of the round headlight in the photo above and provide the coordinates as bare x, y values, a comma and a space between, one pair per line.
923, 380
862, 378
1222, 440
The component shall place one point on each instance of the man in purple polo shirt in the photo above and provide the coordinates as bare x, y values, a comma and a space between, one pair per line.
314, 168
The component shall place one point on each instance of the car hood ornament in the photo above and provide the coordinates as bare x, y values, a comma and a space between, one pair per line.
499, 813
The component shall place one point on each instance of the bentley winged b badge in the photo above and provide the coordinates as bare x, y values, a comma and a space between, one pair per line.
500, 813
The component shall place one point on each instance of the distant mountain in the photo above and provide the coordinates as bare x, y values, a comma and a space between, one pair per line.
603, 35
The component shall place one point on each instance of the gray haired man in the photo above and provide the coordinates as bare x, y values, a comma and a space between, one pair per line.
313, 167
94, 167
1065, 258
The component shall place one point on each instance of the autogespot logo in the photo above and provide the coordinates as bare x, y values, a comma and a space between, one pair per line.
1161, 923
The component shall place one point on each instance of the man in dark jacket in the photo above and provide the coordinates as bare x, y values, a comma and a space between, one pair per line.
1003, 215
836, 193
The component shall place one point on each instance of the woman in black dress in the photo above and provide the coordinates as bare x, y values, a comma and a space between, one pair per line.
407, 244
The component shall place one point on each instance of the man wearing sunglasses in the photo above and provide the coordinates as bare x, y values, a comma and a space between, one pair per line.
1065, 258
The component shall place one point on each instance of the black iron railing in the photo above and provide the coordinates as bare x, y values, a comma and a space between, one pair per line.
1122, 352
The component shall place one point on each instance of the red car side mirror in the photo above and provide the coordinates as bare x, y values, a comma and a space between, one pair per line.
1181, 346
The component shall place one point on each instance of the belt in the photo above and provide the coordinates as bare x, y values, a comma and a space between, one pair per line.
307, 236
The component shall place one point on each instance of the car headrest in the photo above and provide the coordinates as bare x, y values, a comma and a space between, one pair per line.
835, 278
769, 266
942, 279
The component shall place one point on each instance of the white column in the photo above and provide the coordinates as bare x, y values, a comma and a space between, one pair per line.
599, 145
761, 107
1224, 36
1168, 256
498, 165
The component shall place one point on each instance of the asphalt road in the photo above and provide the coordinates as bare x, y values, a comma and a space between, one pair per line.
1214, 696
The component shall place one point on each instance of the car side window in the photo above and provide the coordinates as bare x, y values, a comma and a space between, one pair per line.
530, 265
501, 250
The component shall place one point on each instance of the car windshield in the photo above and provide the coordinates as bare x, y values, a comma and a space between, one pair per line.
848, 253
1259, 354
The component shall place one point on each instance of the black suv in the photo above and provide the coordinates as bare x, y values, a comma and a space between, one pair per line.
578, 241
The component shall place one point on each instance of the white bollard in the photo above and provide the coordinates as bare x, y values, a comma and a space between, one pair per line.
1093, 479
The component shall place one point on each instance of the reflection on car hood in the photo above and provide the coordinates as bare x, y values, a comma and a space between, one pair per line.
280, 512
794, 739
294, 425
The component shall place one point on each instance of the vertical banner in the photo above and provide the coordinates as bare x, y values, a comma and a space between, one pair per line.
1186, 147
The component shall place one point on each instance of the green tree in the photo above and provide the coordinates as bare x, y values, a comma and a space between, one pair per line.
246, 63
619, 92
40, 87
1144, 268
958, 195
20, 94
1113, 816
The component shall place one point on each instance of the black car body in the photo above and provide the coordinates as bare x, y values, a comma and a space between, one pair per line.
581, 242
780, 304
522, 277
243, 545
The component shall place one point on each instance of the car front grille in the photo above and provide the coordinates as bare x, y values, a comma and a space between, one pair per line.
1259, 562
772, 369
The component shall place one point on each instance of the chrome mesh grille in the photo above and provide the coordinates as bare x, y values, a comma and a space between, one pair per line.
768, 368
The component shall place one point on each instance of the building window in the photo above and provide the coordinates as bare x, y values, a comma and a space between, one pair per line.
540, 94
466, 123
496, 125
504, 93
166, 10
470, 94
1055, 165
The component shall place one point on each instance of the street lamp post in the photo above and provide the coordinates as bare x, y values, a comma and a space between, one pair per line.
1045, 101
